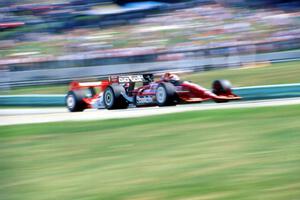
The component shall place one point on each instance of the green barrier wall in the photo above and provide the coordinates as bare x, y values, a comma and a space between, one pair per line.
248, 93
32, 100
269, 91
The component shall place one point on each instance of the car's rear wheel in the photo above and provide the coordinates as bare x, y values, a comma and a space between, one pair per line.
74, 101
165, 94
113, 98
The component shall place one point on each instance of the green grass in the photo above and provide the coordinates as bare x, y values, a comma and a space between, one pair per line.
279, 73
39, 89
241, 154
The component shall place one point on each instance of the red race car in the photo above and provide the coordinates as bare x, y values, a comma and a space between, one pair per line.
118, 92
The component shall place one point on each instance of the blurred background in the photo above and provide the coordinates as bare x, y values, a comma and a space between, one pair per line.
225, 154
51, 42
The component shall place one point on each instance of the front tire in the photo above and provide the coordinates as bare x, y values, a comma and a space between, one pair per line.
166, 94
221, 87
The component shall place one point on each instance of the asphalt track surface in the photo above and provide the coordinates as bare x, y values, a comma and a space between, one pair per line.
41, 115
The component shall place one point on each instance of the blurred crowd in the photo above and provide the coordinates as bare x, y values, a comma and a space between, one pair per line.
64, 30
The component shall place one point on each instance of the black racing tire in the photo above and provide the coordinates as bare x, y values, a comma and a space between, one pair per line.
74, 101
166, 94
221, 87
113, 98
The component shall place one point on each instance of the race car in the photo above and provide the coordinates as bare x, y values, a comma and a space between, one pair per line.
120, 92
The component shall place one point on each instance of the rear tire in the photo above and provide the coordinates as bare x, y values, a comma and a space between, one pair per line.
74, 101
113, 98
166, 94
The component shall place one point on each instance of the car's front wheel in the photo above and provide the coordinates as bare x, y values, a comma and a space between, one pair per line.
221, 87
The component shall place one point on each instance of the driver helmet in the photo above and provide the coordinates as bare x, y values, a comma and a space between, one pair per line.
170, 77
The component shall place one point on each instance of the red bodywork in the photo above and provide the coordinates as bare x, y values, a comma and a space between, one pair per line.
188, 93
195, 93
101, 85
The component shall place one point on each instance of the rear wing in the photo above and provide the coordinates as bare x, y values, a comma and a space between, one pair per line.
145, 78
75, 85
